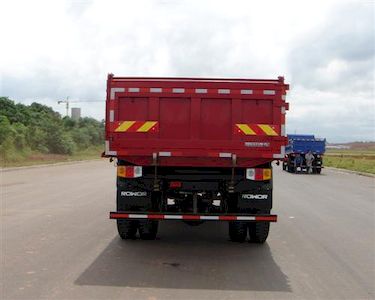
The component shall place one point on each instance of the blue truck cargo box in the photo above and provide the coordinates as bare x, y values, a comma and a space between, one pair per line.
303, 143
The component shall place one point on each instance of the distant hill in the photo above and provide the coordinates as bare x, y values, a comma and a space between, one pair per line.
353, 145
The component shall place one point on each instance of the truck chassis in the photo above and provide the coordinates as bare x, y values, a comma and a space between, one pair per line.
194, 196
289, 164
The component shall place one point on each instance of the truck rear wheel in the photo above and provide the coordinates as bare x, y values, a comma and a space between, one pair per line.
258, 232
237, 231
127, 229
148, 229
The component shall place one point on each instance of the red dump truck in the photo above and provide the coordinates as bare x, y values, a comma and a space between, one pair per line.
195, 150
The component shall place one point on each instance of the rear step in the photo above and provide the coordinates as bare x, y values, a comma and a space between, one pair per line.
132, 215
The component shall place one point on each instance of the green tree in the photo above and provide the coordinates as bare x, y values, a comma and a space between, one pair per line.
20, 132
39, 128
6, 130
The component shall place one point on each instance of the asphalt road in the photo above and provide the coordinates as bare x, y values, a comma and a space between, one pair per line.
58, 243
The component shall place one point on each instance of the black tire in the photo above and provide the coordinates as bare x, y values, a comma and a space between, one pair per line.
318, 171
148, 229
237, 231
258, 232
127, 229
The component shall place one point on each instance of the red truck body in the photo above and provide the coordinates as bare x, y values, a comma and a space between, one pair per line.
195, 122
195, 150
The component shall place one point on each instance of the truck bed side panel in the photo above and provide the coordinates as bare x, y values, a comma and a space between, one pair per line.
195, 122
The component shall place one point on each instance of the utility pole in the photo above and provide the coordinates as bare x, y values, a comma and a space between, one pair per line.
67, 105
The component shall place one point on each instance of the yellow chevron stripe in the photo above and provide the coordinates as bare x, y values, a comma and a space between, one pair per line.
124, 126
268, 130
146, 126
246, 129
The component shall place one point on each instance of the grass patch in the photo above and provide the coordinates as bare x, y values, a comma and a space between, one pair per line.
30, 158
355, 160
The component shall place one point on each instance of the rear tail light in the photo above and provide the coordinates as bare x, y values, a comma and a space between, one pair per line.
129, 171
258, 174
175, 184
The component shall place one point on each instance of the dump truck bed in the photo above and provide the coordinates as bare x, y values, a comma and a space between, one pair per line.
195, 122
304, 143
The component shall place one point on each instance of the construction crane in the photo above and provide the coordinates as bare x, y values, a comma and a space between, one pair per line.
67, 102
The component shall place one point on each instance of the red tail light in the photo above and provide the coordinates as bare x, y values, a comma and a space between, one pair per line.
175, 184
129, 171
258, 174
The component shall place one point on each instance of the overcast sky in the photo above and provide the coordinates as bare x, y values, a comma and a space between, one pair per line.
325, 50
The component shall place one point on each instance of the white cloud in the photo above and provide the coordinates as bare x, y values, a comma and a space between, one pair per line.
332, 71
54, 49
330, 114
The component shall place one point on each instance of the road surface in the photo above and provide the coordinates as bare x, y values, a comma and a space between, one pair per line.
58, 243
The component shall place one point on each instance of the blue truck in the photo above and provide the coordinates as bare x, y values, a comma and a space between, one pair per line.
298, 146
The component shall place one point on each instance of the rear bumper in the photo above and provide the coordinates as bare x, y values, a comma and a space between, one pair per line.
192, 217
